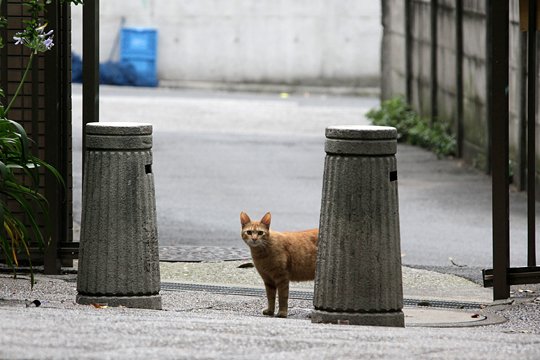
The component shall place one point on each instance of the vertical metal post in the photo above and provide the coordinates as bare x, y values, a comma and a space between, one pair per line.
498, 51
522, 185
52, 136
489, 85
57, 135
3, 52
459, 76
65, 157
90, 65
531, 130
434, 68
408, 50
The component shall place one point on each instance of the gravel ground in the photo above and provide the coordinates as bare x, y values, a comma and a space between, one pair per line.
59, 292
213, 326
523, 316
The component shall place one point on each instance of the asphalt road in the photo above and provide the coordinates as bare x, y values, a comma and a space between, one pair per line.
216, 154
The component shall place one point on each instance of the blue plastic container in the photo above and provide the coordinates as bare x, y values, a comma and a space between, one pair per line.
138, 47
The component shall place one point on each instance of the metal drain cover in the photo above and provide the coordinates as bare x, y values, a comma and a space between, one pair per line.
306, 295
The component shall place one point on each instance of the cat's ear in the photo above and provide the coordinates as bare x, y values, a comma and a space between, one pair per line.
244, 218
266, 219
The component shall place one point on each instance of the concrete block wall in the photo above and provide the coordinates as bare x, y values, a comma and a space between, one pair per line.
306, 42
394, 76
420, 76
474, 98
516, 108
475, 126
446, 67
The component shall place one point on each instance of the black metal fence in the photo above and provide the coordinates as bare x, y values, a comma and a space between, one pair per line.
503, 275
472, 65
44, 110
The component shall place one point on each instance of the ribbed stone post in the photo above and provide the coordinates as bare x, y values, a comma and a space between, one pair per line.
118, 256
358, 279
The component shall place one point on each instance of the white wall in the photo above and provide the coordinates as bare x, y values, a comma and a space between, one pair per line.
307, 42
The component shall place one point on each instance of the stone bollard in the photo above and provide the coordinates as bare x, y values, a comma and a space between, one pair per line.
118, 256
358, 279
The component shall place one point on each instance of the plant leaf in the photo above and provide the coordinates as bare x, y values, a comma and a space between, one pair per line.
22, 137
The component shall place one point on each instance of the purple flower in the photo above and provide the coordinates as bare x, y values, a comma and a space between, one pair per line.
36, 39
46, 39
48, 43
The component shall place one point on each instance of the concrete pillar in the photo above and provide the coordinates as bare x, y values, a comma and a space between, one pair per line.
118, 258
358, 279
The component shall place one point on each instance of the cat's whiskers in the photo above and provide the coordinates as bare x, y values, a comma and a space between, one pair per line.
259, 244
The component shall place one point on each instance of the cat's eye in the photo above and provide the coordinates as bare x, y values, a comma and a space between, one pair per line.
260, 233
248, 232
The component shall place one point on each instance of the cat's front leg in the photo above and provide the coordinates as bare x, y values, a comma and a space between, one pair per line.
271, 297
283, 295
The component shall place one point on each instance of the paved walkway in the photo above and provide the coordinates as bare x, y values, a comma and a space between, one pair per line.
202, 253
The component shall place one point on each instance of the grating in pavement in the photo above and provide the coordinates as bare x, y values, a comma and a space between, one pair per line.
305, 295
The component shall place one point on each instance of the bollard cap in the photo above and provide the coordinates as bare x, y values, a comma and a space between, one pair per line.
369, 140
118, 136
361, 132
118, 128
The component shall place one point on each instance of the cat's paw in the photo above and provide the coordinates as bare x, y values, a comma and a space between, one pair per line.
282, 314
268, 312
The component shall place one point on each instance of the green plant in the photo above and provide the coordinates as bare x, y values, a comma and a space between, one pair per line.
414, 129
15, 157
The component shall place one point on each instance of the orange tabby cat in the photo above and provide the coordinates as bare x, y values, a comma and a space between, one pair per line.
280, 257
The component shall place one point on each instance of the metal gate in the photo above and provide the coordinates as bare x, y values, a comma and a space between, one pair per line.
503, 275
424, 86
43, 108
